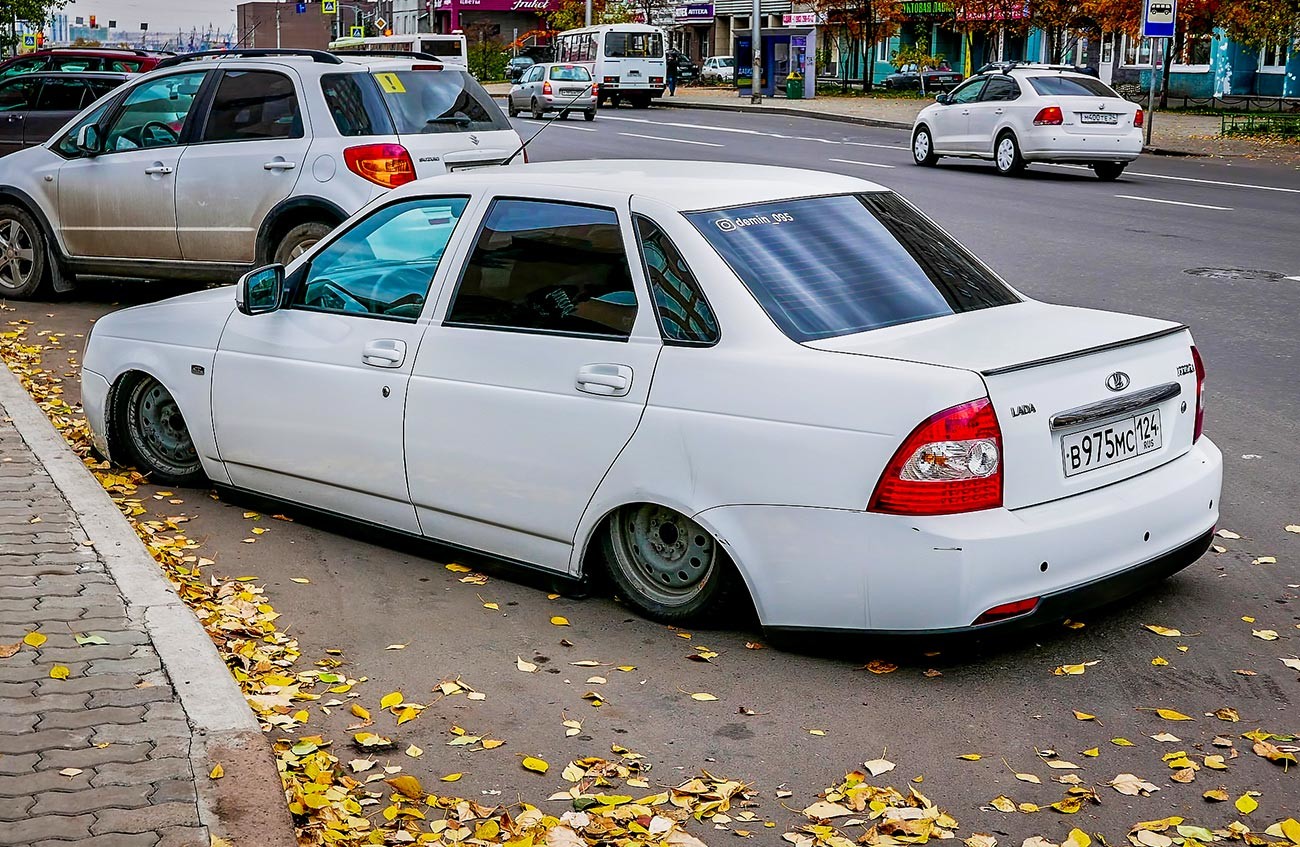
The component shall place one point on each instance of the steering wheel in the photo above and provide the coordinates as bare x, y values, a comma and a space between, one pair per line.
163, 135
346, 302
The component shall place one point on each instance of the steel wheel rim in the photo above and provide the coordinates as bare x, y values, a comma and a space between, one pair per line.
17, 254
670, 558
1006, 153
921, 146
158, 429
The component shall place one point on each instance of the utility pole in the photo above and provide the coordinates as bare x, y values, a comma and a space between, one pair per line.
756, 42
277, 25
588, 14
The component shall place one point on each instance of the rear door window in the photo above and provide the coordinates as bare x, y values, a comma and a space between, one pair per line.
1071, 86
829, 266
355, 104
62, 95
252, 105
438, 101
1000, 88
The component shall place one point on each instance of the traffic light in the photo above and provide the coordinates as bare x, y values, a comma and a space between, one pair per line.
92, 21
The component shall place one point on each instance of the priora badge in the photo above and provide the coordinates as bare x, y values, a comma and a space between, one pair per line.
1117, 381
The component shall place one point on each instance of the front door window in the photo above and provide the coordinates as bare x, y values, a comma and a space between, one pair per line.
154, 113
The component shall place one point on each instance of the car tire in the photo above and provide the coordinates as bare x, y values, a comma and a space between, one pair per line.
299, 240
1109, 171
24, 254
564, 114
589, 115
665, 564
923, 147
1006, 155
536, 109
511, 110
153, 434
641, 101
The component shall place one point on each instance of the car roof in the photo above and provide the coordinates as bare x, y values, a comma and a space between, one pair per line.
685, 186
122, 75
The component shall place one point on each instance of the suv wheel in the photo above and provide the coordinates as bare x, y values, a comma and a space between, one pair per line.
22, 254
299, 240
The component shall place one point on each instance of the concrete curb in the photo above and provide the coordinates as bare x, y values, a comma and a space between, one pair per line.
788, 112
247, 807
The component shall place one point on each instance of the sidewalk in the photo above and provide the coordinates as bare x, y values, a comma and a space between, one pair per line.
114, 706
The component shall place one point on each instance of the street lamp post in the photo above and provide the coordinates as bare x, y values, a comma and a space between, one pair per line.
756, 43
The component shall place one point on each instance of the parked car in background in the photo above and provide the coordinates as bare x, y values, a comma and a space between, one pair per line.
718, 69
554, 87
34, 106
517, 66
213, 163
687, 70
910, 76
1031, 113
75, 59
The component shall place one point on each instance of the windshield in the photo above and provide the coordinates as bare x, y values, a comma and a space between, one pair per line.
831, 266
438, 101
570, 73
634, 45
1071, 86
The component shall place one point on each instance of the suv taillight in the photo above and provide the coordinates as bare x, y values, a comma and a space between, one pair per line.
950, 463
1138, 118
388, 165
1200, 395
1049, 116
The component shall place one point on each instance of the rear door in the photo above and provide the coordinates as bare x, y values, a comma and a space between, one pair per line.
59, 100
17, 98
990, 111
249, 151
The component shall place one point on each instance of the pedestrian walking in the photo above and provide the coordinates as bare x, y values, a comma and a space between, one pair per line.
672, 77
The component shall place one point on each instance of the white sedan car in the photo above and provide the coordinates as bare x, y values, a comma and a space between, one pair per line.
698, 376
1015, 114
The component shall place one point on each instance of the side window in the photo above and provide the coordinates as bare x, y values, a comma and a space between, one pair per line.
1000, 89
684, 314
968, 93
18, 95
154, 113
548, 267
253, 105
383, 266
61, 95
124, 67
67, 145
75, 64
25, 66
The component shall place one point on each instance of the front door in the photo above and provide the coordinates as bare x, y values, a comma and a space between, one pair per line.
990, 112
526, 392
122, 202
307, 401
248, 153
952, 120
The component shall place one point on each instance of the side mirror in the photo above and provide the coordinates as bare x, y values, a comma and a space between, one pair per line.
88, 140
260, 291
942, 98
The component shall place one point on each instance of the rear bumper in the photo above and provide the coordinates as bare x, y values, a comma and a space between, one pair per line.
1051, 144
826, 569
557, 103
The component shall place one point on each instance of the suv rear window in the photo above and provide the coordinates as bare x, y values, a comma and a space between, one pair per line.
438, 101
829, 266
1071, 86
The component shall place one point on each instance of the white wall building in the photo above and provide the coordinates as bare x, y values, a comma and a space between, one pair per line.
406, 16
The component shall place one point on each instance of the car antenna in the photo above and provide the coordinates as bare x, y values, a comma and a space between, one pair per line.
524, 146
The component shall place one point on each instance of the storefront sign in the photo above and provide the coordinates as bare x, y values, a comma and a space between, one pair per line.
1015, 12
803, 19
798, 41
535, 6
693, 13
926, 7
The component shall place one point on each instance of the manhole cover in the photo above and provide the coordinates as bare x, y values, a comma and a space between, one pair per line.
1236, 273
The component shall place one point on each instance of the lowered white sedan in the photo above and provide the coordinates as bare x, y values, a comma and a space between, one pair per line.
708, 379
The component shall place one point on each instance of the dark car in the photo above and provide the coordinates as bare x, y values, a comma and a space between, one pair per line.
516, 67
910, 76
34, 106
78, 59
686, 69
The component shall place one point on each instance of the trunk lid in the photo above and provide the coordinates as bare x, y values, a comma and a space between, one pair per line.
443, 152
1092, 115
1048, 370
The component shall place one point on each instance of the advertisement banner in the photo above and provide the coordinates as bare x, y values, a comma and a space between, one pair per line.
693, 13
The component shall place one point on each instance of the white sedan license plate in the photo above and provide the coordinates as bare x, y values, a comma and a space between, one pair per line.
1109, 443
1098, 118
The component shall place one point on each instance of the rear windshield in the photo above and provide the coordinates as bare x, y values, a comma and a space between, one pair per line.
409, 102
1071, 86
634, 45
574, 73
831, 266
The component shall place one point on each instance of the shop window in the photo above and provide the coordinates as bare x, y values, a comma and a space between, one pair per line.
882, 50
1274, 57
1137, 51
1195, 50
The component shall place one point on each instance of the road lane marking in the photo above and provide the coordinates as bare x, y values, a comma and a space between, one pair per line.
671, 140
1174, 202
863, 164
1183, 178
880, 146
578, 128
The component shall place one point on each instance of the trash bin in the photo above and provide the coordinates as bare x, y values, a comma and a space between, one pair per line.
794, 87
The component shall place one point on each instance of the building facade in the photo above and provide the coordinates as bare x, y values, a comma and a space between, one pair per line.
265, 24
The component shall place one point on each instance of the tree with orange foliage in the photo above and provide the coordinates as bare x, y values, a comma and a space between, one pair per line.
863, 22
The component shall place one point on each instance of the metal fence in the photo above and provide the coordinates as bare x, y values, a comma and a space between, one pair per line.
1281, 126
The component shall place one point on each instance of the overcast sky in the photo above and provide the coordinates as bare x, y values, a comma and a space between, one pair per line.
161, 15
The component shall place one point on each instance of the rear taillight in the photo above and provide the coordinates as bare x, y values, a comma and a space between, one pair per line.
1138, 118
656, 80
1049, 116
1200, 395
546, 88
950, 463
595, 89
610, 79
388, 165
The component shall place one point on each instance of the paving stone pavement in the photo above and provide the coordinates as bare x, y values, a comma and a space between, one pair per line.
102, 758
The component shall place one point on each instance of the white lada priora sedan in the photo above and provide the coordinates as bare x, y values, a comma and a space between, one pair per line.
707, 376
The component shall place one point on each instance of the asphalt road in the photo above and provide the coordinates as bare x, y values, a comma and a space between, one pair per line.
1057, 234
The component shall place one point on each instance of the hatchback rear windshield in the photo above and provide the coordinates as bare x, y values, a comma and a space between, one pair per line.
1071, 86
409, 102
829, 266
574, 73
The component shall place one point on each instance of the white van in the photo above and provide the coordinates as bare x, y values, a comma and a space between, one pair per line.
628, 61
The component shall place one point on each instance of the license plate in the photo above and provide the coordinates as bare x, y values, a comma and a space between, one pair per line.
1098, 118
1111, 443
571, 92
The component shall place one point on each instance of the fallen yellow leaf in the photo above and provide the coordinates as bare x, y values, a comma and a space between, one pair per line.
1121, 742
970, 757
458, 569
560, 620
34, 639
1246, 804
301, 580
361, 712
535, 764
703, 696
217, 772
1163, 630
451, 777
390, 700
1265, 634
59, 672
1171, 715
1159, 661
1084, 716
407, 786
492, 743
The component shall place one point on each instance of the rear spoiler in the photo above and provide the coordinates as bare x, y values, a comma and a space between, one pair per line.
1079, 354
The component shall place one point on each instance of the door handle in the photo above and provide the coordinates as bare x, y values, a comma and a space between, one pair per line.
158, 168
279, 165
604, 380
965, 111
384, 353
997, 111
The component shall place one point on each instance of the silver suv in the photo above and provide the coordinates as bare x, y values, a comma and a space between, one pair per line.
215, 163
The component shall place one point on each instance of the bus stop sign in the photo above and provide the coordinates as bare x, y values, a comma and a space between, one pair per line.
1158, 18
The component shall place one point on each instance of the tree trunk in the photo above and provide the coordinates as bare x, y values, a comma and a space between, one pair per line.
1175, 47
869, 53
